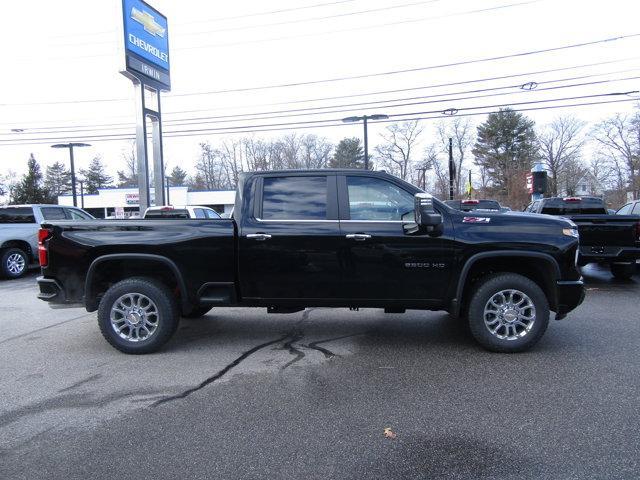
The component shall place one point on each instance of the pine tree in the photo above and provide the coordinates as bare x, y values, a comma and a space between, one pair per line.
506, 145
348, 154
177, 177
57, 180
30, 188
95, 176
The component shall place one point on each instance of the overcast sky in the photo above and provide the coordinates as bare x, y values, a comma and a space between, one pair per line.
61, 62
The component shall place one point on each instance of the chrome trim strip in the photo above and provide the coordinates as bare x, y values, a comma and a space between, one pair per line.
296, 221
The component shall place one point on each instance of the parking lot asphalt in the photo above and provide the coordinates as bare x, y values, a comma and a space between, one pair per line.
242, 394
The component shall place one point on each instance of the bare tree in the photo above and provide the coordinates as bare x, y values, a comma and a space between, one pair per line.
400, 141
315, 151
462, 132
433, 158
561, 142
618, 139
231, 157
209, 169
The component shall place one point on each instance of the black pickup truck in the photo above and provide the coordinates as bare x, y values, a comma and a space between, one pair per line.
612, 239
321, 238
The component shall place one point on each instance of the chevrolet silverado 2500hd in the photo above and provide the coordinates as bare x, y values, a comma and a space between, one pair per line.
330, 238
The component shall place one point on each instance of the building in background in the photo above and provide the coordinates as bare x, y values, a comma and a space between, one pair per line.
107, 200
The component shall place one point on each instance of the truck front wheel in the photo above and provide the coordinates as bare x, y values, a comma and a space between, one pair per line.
138, 315
508, 313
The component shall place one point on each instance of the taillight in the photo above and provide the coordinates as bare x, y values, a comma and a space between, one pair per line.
43, 256
572, 199
470, 202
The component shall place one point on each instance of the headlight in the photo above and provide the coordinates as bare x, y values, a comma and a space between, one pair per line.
570, 232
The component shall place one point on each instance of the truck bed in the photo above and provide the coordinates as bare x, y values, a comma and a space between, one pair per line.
204, 248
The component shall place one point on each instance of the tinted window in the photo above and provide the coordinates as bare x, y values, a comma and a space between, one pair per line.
376, 199
583, 206
626, 210
172, 214
77, 214
17, 215
636, 209
211, 214
294, 198
53, 213
199, 213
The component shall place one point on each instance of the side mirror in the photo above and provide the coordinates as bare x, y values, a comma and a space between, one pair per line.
427, 218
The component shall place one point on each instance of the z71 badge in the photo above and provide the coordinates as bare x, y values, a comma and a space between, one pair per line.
476, 220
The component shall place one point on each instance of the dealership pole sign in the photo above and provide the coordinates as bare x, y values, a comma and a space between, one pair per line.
146, 55
146, 43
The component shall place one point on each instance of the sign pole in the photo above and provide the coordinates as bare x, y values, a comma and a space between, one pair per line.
141, 148
146, 64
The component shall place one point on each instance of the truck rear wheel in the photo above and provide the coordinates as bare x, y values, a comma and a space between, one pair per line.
623, 271
14, 263
508, 313
138, 315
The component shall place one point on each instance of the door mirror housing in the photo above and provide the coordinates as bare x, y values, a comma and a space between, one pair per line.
427, 219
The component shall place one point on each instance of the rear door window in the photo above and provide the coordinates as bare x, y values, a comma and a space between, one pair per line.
636, 209
211, 214
199, 213
294, 198
17, 215
53, 213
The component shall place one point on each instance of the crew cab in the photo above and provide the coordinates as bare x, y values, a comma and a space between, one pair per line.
317, 238
612, 239
19, 226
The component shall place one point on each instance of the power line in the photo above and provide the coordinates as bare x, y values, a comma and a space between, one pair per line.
464, 82
354, 77
417, 69
312, 19
178, 133
367, 27
271, 12
341, 108
320, 123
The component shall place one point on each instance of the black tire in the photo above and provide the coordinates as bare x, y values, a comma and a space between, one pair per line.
522, 338
166, 320
15, 263
623, 271
197, 312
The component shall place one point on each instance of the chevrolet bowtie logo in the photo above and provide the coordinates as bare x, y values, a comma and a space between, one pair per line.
148, 22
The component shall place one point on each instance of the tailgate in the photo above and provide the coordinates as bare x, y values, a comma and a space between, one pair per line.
607, 230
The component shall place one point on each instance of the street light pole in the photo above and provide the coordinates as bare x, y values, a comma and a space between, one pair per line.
81, 193
70, 146
364, 119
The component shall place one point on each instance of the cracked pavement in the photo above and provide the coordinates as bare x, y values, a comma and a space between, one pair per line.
243, 394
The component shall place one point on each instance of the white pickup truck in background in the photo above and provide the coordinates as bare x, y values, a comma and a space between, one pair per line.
19, 225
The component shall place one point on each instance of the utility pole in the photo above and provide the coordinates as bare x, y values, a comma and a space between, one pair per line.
452, 169
70, 146
364, 119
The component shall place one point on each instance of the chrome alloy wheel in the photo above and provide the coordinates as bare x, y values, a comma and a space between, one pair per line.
509, 315
134, 317
15, 263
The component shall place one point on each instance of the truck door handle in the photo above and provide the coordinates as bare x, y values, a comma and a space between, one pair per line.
260, 237
358, 237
